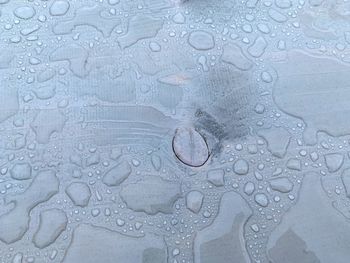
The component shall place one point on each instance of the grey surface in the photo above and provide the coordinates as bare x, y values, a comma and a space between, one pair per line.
152, 131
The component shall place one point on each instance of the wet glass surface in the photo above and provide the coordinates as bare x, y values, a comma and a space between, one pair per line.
153, 131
